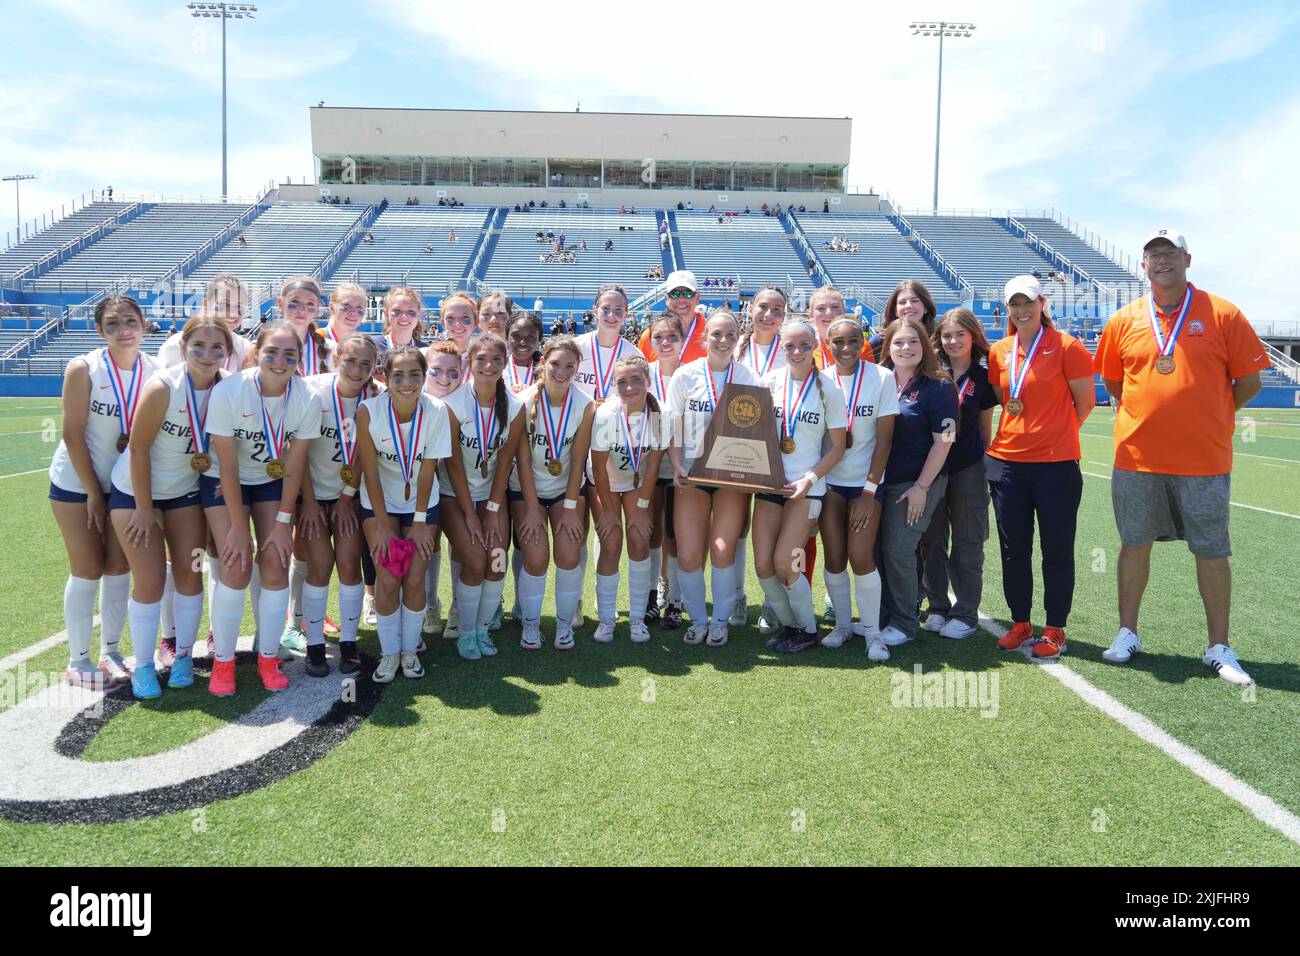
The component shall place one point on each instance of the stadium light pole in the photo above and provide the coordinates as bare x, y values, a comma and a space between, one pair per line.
16, 179
224, 12
940, 29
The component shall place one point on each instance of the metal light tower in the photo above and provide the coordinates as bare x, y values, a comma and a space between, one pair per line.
939, 29
16, 179
224, 12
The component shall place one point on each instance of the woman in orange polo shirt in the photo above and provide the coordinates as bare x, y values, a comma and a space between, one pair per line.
1043, 378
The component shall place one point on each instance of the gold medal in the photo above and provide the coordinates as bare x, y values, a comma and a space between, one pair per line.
121, 443
201, 462
483, 469
1165, 364
275, 469
554, 468
406, 491
1015, 407
787, 445
848, 439
348, 474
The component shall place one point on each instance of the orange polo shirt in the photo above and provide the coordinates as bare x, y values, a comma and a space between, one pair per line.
693, 349
1048, 429
1180, 423
824, 359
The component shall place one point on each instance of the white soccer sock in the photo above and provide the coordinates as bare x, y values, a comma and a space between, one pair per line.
693, 595
723, 583
867, 587
389, 628
79, 616
532, 588
188, 609
656, 562
168, 609
314, 600
488, 601
226, 614
801, 604
640, 581
607, 597
778, 600
297, 578
350, 598
431, 575
214, 575
255, 593
468, 598
455, 584
674, 581
412, 621
144, 629
272, 607
114, 592
568, 588
840, 589
738, 569
516, 569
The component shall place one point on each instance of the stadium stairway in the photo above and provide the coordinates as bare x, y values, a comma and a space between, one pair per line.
675, 242
981, 249
397, 255
751, 249
665, 251
799, 239
1102, 268
479, 259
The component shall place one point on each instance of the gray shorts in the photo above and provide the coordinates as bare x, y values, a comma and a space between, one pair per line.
1192, 508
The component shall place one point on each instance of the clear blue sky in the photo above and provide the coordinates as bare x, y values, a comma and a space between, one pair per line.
1127, 116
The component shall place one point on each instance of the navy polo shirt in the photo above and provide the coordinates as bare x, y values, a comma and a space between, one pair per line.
927, 407
975, 395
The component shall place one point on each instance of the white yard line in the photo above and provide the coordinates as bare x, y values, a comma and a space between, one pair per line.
19, 474
1235, 504
40, 647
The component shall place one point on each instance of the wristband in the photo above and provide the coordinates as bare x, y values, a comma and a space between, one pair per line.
493, 507
421, 517
870, 487
812, 476
348, 491
570, 504
284, 517
643, 502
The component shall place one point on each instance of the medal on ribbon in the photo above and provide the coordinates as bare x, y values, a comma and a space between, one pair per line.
635, 449
1165, 362
406, 451
128, 397
274, 438
555, 434
310, 353
518, 380
791, 408
761, 369
726, 380
342, 425
603, 375
485, 427
851, 396
1016, 405
200, 461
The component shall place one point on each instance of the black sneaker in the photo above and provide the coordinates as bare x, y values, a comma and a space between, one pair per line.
652, 616
802, 641
672, 616
349, 659
316, 666
788, 636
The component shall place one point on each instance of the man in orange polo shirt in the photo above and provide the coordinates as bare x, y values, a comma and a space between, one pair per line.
1179, 362
683, 299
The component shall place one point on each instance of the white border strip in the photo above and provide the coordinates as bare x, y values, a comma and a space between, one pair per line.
19, 474
40, 647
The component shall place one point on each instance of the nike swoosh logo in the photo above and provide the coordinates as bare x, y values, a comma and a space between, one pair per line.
1258, 357
383, 441
321, 621
102, 387
248, 414
1048, 351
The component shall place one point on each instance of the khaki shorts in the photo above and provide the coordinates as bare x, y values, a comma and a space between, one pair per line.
1151, 507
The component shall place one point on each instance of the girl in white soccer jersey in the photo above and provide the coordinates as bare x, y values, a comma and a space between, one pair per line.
705, 517
495, 310
226, 299
101, 394
602, 348
443, 377
155, 500
401, 436
810, 418
347, 310
546, 490
260, 422
523, 336
458, 313
329, 523
667, 339
628, 439
487, 425
403, 310
300, 304
850, 516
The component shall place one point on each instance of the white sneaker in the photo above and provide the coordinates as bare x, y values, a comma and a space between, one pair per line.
114, 669
432, 619
695, 634
767, 623
563, 638
640, 633
935, 622
957, 630
838, 637
876, 649
578, 619
368, 610
1223, 662
739, 614
411, 666
387, 669
531, 640
1122, 649
892, 636
717, 634
604, 632
451, 630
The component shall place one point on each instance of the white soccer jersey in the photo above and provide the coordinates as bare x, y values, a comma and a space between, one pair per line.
464, 404
877, 398
548, 485
762, 359
169, 353
432, 441
609, 433
691, 399
235, 411
103, 424
595, 374
820, 411
170, 474
325, 456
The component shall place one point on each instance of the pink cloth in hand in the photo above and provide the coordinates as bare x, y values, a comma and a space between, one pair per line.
398, 559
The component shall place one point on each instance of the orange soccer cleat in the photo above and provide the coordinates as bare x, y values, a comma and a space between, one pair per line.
1020, 632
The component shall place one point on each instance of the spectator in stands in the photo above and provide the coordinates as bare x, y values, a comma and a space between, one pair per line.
588, 322
582, 246
451, 236
690, 204
571, 326
812, 266
557, 327
680, 206
370, 237
746, 210
826, 205
428, 247
562, 243
562, 204
1173, 436
609, 245
242, 241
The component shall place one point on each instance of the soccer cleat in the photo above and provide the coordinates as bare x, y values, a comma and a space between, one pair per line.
467, 646
222, 681
1221, 659
182, 673
316, 664
838, 637
331, 627
516, 611
386, 669
739, 614
956, 630
268, 668
604, 632
695, 634
432, 623
293, 639
892, 636
768, 625
144, 681
1050, 645
497, 619
717, 634
802, 642
651, 618
166, 652
828, 613
1020, 632
640, 633
531, 640
876, 649
368, 613
672, 619
563, 637
212, 645
84, 674
411, 666
578, 618
349, 659
422, 647
115, 671
485, 645
788, 634
1122, 649
451, 631
934, 622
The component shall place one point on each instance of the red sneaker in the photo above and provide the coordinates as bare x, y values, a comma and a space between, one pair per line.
331, 628
1051, 645
222, 681
268, 668
167, 652
1020, 632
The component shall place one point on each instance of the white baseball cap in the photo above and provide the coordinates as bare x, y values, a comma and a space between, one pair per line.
1023, 285
681, 279
1169, 234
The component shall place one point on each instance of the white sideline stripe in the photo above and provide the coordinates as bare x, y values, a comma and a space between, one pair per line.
19, 474
1235, 504
38, 431
1261, 807
40, 647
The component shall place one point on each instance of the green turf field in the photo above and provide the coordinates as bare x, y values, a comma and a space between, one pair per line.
663, 753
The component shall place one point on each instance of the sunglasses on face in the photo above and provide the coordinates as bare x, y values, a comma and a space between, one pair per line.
680, 294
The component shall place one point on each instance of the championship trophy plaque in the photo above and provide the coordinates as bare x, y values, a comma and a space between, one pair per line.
739, 450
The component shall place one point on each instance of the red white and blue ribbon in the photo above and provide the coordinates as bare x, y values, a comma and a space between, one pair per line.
726, 380
128, 397
343, 425
793, 404
855, 389
406, 451
198, 418
310, 353
274, 437
604, 376
769, 361
555, 434
635, 449
517, 379
485, 425
660, 386
1166, 346
1017, 383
